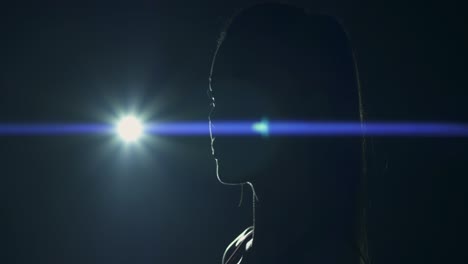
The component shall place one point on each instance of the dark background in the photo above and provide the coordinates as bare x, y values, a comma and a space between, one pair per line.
89, 200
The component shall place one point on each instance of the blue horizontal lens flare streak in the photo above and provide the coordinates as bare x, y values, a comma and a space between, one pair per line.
55, 129
202, 128
252, 128
370, 129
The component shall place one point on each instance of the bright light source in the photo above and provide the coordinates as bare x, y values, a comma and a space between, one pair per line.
130, 129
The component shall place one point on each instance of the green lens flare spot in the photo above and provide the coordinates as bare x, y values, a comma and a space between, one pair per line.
261, 127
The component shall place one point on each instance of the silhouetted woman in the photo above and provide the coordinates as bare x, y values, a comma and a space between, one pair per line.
278, 62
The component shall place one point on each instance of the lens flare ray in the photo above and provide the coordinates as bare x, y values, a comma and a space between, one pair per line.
250, 128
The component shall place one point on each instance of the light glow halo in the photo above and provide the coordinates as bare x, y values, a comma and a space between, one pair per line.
130, 129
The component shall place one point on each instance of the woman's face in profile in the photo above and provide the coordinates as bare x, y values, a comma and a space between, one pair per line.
280, 65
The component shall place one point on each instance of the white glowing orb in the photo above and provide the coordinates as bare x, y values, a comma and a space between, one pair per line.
130, 129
